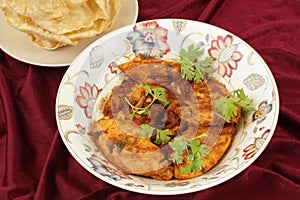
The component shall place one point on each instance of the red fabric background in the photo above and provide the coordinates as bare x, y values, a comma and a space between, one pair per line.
35, 164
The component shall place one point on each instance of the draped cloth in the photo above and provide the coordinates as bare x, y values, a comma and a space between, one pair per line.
35, 164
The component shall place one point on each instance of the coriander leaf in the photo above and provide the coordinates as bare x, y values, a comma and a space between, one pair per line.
147, 89
132, 115
147, 130
187, 70
195, 153
198, 75
186, 170
194, 146
228, 107
163, 136
157, 94
239, 93
190, 156
177, 158
195, 156
178, 145
195, 165
192, 53
160, 95
203, 67
198, 151
192, 68
245, 103
198, 164
202, 150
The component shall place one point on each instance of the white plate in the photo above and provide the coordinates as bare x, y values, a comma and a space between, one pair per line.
19, 46
95, 67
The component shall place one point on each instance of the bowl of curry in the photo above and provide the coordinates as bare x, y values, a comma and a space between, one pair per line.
167, 107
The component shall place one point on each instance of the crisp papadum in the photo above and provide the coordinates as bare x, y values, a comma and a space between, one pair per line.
57, 23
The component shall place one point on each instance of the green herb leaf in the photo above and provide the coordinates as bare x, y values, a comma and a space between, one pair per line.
228, 107
191, 54
162, 136
198, 75
187, 70
245, 103
157, 93
179, 145
147, 130
147, 89
192, 68
198, 151
195, 153
132, 115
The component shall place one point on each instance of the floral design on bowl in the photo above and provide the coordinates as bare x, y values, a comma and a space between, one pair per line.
87, 98
225, 54
263, 109
149, 39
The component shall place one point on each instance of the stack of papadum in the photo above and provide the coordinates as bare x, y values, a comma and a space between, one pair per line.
51, 24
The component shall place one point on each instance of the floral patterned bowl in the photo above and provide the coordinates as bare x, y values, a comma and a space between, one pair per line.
235, 62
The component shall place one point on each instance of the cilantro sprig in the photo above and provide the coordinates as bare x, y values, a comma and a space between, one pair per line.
157, 93
228, 107
162, 136
195, 151
193, 69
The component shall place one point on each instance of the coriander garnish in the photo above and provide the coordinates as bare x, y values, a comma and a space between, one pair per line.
157, 93
228, 107
195, 153
192, 68
162, 136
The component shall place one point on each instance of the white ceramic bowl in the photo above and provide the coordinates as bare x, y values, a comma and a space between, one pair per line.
238, 65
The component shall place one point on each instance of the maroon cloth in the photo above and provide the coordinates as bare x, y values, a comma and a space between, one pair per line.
35, 164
